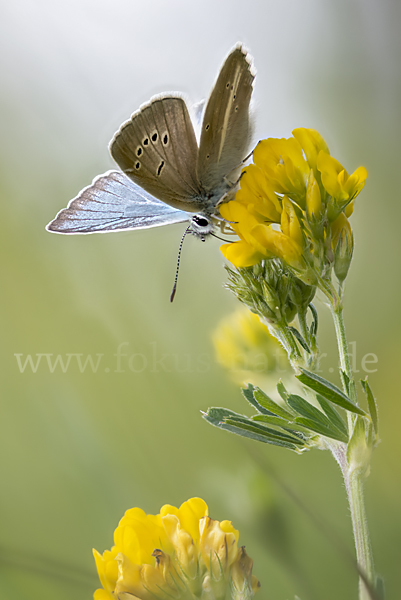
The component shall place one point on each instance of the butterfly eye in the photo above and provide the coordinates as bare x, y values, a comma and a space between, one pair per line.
201, 221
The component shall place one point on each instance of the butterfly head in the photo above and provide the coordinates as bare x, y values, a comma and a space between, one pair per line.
201, 226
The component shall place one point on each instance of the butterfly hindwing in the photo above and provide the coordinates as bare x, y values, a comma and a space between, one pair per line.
157, 149
226, 130
112, 203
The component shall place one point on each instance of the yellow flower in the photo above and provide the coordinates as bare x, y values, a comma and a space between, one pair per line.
242, 253
181, 553
312, 143
338, 184
258, 195
296, 184
284, 164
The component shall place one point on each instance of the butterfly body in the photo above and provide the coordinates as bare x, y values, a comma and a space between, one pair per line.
166, 177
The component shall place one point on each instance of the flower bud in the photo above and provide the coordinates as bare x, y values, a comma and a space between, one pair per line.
343, 246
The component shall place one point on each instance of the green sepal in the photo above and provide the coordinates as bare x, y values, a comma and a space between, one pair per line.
249, 395
315, 321
271, 407
344, 380
359, 447
371, 404
329, 391
332, 415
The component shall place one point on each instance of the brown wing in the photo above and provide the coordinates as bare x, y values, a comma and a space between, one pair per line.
226, 131
157, 149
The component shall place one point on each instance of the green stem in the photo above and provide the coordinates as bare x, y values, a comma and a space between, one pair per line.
345, 363
354, 486
361, 531
353, 478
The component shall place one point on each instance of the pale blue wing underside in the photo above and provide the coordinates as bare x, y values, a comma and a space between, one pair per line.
113, 203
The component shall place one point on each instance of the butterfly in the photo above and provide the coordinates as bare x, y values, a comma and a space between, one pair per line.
165, 176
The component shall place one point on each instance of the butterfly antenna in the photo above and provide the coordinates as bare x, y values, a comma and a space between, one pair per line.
178, 264
220, 238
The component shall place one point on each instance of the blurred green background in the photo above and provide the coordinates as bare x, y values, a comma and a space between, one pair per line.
79, 448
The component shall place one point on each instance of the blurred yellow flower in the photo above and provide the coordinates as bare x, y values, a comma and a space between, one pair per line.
181, 553
244, 346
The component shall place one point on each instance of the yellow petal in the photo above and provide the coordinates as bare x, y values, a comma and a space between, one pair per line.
311, 142
314, 204
356, 182
278, 244
190, 513
218, 548
107, 568
102, 595
285, 166
241, 254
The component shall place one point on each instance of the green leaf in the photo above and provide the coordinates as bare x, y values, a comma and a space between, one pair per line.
305, 408
262, 436
248, 423
300, 339
380, 588
333, 415
271, 420
282, 391
371, 403
320, 428
241, 425
249, 395
278, 422
315, 419
270, 405
216, 415
328, 390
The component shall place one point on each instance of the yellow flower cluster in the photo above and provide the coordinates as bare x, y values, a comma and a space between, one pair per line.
178, 554
293, 204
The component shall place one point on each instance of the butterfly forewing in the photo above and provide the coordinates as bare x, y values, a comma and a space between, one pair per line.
113, 203
164, 174
226, 131
157, 149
